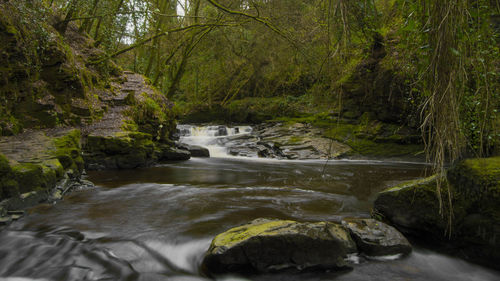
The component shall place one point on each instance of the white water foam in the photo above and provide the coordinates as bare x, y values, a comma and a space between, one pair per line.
210, 136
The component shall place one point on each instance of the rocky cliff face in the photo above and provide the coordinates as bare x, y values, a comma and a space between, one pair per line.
45, 79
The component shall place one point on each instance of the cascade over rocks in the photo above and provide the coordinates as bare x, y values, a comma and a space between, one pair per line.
266, 245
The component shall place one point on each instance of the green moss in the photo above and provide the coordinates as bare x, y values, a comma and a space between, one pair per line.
29, 177
370, 148
239, 234
425, 182
123, 150
341, 131
56, 166
68, 151
8, 186
320, 120
484, 167
5, 168
129, 125
477, 178
295, 140
415, 205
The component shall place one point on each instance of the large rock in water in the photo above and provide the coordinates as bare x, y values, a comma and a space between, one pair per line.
195, 150
413, 207
268, 245
375, 238
174, 154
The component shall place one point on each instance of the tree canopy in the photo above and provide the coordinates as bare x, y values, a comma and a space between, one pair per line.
438, 59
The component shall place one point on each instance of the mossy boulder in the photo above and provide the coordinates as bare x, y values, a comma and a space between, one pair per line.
478, 182
413, 206
270, 245
124, 150
474, 185
68, 152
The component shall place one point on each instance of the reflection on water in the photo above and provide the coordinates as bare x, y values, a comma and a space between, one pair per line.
156, 223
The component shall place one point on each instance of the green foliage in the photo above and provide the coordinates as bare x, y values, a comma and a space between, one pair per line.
152, 113
148, 108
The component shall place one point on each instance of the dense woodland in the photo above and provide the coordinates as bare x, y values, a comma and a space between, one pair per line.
432, 65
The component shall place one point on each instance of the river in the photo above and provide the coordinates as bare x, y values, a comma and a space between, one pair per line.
156, 223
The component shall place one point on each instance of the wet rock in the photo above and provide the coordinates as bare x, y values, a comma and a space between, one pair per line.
375, 238
174, 154
270, 245
222, 131
123, 150
25, 200
16, 215
299, 141
195, 150
413, 208
5, 220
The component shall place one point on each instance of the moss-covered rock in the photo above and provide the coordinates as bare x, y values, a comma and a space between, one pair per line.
124, 150
68, 152
475, 225
413, 206
269, 245
35, 161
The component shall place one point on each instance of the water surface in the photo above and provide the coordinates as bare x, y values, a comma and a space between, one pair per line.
156, 223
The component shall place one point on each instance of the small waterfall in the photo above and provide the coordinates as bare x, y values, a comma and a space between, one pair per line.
213, 138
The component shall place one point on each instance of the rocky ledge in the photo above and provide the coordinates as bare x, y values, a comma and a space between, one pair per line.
37, 166
266, 245
474, 229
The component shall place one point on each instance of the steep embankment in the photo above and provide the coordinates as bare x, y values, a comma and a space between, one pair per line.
53, 101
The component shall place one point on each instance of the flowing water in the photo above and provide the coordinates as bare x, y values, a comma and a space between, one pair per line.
212, 137
156, 223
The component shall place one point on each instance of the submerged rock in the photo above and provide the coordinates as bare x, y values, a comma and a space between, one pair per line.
375, 238
269, 245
